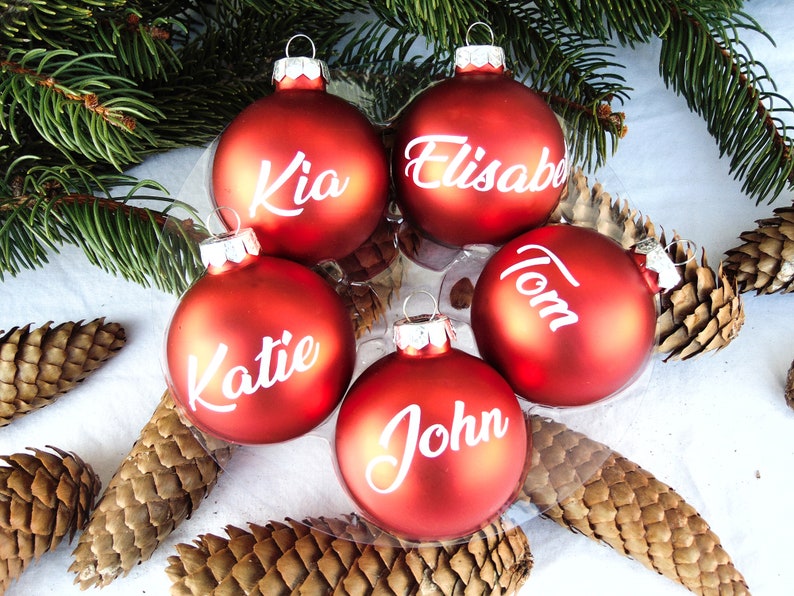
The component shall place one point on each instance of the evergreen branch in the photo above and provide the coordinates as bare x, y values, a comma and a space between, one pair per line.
380, 69
444, 22
576, 74
74, 105
581, 121
228, 65
139, 49
47, 207
51, 23
557, 61
143, 245
717, 77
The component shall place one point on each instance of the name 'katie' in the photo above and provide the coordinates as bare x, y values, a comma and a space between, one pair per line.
238, 380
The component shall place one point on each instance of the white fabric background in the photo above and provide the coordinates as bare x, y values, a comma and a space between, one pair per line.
716, 428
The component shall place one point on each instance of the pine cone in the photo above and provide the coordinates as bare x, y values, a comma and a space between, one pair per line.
164, 478
347, 556
702, 313
583, 485
37, 367
594, 208
373, 256
789, 393
43, 497
366, 302
765, 262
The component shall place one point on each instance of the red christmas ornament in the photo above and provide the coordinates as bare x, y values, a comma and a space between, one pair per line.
304, 168
479, 157
565, 314
259, 349
431, 442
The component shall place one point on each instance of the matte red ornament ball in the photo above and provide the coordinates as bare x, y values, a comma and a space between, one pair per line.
565, 314
478, 157
261, 352
305, 169
431, 443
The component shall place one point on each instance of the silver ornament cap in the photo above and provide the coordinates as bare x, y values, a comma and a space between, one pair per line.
293, 67
478, 57
473, 58
658, 261
423, 331
425, 334
231, 247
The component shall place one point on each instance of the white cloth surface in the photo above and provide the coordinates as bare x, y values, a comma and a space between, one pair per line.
716, 428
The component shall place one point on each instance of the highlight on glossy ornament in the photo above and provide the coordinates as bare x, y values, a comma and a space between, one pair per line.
567, 315
259, 349
302, 167
479, 157
431, 442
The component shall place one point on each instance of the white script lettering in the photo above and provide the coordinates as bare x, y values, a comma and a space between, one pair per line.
464, 170
326, 184
238, 380
539, 296
432, 441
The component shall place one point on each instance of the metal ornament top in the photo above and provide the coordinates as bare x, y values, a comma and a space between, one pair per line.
421, 331
233, 247
414, 333
658, 261
479, 56
292, 67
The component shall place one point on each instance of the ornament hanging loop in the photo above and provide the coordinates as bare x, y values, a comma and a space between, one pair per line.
216, 212
486, 25
423, 334
297, 35
435, 313
690, 246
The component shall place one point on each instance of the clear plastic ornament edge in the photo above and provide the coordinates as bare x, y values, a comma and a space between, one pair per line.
600, 426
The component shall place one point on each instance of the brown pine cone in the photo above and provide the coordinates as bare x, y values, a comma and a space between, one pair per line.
366, 302
373, 256
704, 312
347, 556
43, 497
789, 392
38, 366
593, 208
583, 485
765, 262
164, 478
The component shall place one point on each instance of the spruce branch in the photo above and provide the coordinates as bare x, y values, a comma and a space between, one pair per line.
724, 84
74, 105
51, 23
123, 234
139, 49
